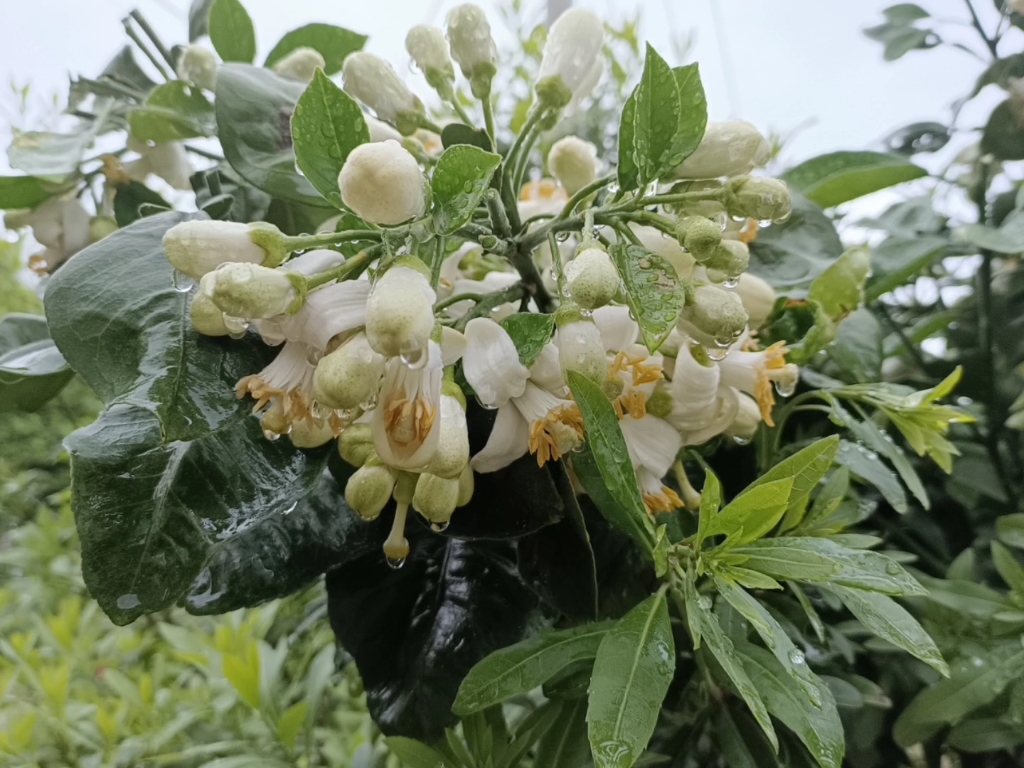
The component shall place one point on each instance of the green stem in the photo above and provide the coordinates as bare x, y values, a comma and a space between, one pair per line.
461, 111
435, 267
203, 153
305, 242
130, 30
485, 104
532, 119
901, 334
113, 87
499, 218
524, 158
532, 280
491, 301
340, 272
474, 297
556, 262
584, 193
716, 195
153, 36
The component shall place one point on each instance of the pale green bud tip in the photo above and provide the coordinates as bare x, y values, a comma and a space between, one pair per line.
452, 452
472, 46
713, 316
355, 444
436, 498
197, 247
700, 236
251, 291
660, 402
306, 434
100, 227
207, 318
382, 183
728, 261
552, 92
592, 278
301, 64
349, 376
369, 489
198, 67
573, 161
400, 314
580, 349
757, 197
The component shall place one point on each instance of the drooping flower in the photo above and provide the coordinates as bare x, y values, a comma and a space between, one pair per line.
755, 372
731, 148
758, 298
591, 278
334, 309
349, 377
573, 161
702, 406
374, 82
406, 423
580, 348
653, 446
60, 226
300, 64
383, 184
633, 372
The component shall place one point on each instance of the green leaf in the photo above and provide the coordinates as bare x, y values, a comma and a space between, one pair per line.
866, 466
1009, 569
975, 681
652, 290
1002, 136
657, 118
333, 43
565, 745
199, 19
50, 156
32, 371
124, 69
459, 133
704, 627
326, 126
632, 672
254, 108
520, 668
176, 466
840, 288
790, 255
231, 31
836, 178
606, 447
819, 728
172, 111
802, 558
459, 182
290, 723
129, 199
1008, 238
807, 466
23, 192
901, 258
905, 13
986, 734
774, 636
415, 754
889, 620
627, 171
751, 514
693, 113
710, 502
1010, 529
530, 333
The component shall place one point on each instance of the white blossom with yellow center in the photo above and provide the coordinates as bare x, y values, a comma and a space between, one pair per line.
756, 372
406, 423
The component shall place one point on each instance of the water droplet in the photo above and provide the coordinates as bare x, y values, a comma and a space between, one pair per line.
785, 388
892, 568
413, 357
796, 656
741, 439
704, 602
181, 282
563, 236
731, 282
371, 401
395, 562
439, 527
313, 355
236, 325
271, 435
717, 354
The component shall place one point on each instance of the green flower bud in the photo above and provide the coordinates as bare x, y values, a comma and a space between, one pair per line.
197, 247
306, 434
428, 48
400, 314
355, 444
349, 376
757, 197
100, 227
591, 278
207, 317
700, 236
466, 485
552, 92
713, 316
198, 67
573, 161
729, 260
436, 498
660, 402
452, 453
472, 46
301, 64
579, 343
251, 291
369, 489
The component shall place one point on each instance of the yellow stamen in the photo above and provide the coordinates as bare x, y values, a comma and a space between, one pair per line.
408, 421
633, 402
665, 501
641, 371
749, 232
774, 359
543, 189
550, 437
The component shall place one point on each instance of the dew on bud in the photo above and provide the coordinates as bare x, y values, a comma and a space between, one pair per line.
439, 527
413, 357
181, 282
742, 439
395, 562
271, 435
236, 326
731, 282
785, 388
717, 353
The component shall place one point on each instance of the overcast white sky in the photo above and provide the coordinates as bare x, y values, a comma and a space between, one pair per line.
793, 60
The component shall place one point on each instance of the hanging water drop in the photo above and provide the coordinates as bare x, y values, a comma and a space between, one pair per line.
717, 354
271, 435
785, 388
181, 282
395, 562
439, 527
796, 656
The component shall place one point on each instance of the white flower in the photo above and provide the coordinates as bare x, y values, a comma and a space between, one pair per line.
591, 278
197, 247
249, 291
653, 445
400, 314
491, 363
573, 51
492, 281
452, 453
580, 348
168, 160
374, 82
429, 49
301, 64
382, 183
713, 316
573, 161
472, 46
731, 148
746, 421
349, 376
755, 372
633, 372
60, 226
618, 330
328, 311
198, 67
406, 427
758, 298
701, 406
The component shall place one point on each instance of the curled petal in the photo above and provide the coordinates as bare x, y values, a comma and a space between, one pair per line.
491, 363
508, 441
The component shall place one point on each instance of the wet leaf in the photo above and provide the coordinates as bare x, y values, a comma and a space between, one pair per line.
231, 31
172, 111
459, 182
333, 43
652, 289
32, 370
836, 178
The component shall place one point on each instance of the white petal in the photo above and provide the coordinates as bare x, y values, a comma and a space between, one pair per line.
509, 439
491, 363
546, 371
312, 262
453, 345
618, 330
728, 407
328, 311
652, 443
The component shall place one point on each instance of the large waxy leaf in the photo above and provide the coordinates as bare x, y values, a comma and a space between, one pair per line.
635, 664
459, 182
326, 126
333, 43
530, 332
657, 118
173, 111
520, 668
416, 632
626, 168
231, 31
652, 289
254, 108
839, 177
32, 371
792, 254
693, 113
867, 467
175, 467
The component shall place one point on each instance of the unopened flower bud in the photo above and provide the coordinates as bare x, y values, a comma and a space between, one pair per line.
758, 197
466, 487
436, 498
573, 52
758, 298
250, 291
700, 236
349, 376
400, 313
310, 434
472, 46
355, 444
452, 454
100, 227
573, 161
301, 64
383, 184
429, 50
207, 317
198, 67
374, 82
591, 278
580, 348
381, 131
274, 420
369, 488
713, 316
732, 148
197, 247
728, 261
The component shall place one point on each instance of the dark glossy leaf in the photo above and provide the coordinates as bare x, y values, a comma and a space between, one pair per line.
857, 349
985, 735
231, 31
836, 178
901, 258
565, 745
626, 167
652, 289
1010, 529
333, 43
416, 632
460, 180
530, 332
459, 133
866, 466
172, 111
129, 199
791, 255
1003, 136
326, 126
254, 108
32, 371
